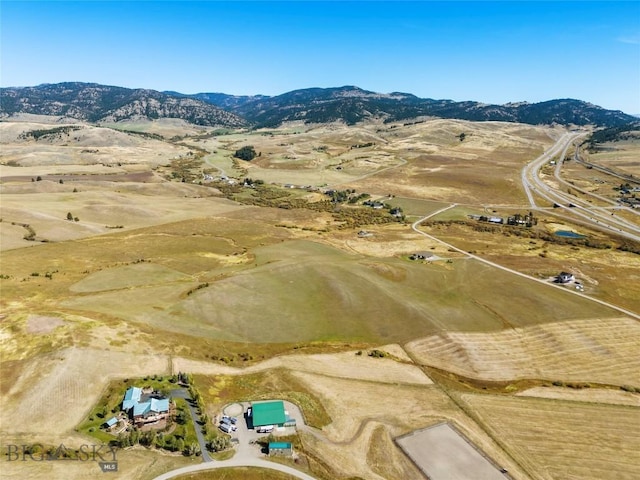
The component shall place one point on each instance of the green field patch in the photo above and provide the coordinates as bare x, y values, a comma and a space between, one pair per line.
303, 291
415, 206
128, 276
458, 213
129, 304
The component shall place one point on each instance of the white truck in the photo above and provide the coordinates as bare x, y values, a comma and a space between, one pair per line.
225, 428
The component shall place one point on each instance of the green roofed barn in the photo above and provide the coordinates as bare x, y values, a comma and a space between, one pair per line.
268, 413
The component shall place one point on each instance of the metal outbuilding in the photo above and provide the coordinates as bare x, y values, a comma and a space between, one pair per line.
284, 449
268, 413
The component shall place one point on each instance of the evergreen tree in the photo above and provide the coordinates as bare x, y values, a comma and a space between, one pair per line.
247, 153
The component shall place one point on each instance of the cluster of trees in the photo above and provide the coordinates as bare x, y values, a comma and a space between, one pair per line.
153, 439
518, 219
348, 195
49, 132
265, 196
246, 153
186, 169
363, 145
31, 233
183, 378
195, 289
612, 134
340, 196
356, 199
250, 182
218, 443
377, 353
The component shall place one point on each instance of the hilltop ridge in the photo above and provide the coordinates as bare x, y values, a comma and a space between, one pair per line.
348, 104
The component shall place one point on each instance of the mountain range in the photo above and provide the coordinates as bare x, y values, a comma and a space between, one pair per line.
349, 104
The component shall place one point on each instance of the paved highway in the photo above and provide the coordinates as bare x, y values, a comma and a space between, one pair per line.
581, 210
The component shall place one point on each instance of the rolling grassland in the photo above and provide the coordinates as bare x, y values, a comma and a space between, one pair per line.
161, 274
291, 291
606, 272
621, 156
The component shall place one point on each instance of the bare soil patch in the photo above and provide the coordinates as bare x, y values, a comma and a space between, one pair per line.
39, 324
442, 453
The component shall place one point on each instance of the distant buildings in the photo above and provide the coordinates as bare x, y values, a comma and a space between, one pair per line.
421, 256
527, 220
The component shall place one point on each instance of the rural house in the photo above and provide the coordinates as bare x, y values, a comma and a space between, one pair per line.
565, 277
145, 406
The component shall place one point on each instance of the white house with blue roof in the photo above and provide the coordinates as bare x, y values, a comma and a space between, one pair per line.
145, 407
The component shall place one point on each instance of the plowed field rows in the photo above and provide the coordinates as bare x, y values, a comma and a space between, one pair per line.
595, 350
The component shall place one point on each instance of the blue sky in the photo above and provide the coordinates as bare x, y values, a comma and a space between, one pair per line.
493, 52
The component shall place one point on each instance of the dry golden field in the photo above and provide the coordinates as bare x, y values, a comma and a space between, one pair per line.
122, 255
562, 439
620, 156
601, 351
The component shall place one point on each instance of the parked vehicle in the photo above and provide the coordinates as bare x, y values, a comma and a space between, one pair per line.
265, 429
225, 428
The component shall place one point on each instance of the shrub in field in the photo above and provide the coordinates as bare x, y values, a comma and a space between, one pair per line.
247, 153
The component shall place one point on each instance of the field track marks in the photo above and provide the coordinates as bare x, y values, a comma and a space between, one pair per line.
595, 350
